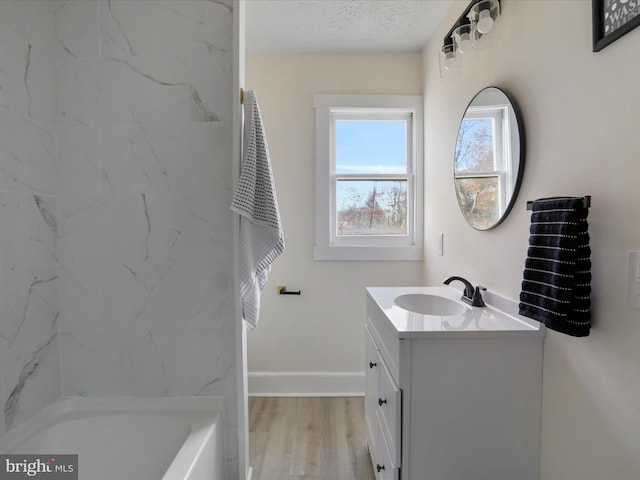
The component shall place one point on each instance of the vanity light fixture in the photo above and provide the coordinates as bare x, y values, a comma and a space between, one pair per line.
470, 32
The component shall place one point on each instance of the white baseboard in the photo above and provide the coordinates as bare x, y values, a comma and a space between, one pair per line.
306, 384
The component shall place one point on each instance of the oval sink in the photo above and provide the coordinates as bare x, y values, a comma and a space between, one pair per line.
426, 304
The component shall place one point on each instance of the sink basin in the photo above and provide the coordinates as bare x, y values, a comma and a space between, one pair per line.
426, 304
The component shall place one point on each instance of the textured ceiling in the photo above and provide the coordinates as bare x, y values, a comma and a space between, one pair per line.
341, 25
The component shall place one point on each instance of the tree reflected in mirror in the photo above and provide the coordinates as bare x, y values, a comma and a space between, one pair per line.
488, 159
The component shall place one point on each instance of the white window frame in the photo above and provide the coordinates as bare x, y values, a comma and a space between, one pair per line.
330, 246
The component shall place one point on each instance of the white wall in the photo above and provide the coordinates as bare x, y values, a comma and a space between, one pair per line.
580, 115
320, 331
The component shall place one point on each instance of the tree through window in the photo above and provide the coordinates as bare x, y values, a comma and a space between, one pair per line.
368, 187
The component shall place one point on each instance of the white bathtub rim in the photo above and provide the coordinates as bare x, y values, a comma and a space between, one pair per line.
197, 441
105, 404
209, 421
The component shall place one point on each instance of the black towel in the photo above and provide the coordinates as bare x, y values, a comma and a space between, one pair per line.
556, 286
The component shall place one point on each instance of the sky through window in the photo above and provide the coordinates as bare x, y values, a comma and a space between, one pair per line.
371, 146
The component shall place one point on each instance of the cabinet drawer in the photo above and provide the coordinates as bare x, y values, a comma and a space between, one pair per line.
383, 465
390, 409
385, 338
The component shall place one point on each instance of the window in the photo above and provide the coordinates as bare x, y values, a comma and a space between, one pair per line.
368, 177
482, 174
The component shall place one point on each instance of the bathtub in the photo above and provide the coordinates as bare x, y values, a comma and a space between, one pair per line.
133, 438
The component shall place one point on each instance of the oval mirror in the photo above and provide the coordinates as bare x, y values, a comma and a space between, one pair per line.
489, 158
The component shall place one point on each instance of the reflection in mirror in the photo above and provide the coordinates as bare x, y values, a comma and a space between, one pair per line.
489, 158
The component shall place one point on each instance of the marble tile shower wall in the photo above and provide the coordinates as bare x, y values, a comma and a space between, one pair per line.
30, 372
122, 237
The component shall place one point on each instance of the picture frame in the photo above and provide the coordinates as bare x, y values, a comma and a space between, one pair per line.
612, 19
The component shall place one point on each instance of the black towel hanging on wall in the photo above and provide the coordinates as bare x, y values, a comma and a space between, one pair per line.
556, 286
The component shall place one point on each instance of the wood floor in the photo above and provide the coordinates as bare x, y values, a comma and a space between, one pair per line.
308, 438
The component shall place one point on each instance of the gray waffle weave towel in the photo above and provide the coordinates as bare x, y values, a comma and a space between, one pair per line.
255, 200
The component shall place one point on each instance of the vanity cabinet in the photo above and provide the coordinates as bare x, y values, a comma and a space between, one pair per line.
447, 404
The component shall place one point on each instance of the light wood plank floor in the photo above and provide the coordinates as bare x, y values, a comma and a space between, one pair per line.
308, 438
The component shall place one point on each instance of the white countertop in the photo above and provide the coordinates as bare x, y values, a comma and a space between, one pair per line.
500, 316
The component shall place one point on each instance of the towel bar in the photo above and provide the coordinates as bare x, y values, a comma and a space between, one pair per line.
586, 201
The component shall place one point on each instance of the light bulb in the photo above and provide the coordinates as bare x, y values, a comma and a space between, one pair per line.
448, 56
485, 22
464, 44
449, 61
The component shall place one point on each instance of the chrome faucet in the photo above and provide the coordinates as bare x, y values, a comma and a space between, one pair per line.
471, 295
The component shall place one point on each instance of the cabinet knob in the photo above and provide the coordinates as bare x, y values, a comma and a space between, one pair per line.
379, 467
381, 401
372, 364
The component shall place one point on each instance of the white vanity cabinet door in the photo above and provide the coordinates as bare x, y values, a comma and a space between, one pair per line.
390, 408
384, 466
372, 368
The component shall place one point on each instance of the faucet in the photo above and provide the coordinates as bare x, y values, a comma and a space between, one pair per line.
471, 295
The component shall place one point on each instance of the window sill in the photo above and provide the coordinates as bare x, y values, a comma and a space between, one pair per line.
367, 253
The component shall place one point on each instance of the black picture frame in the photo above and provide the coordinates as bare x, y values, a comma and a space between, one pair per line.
618, 17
